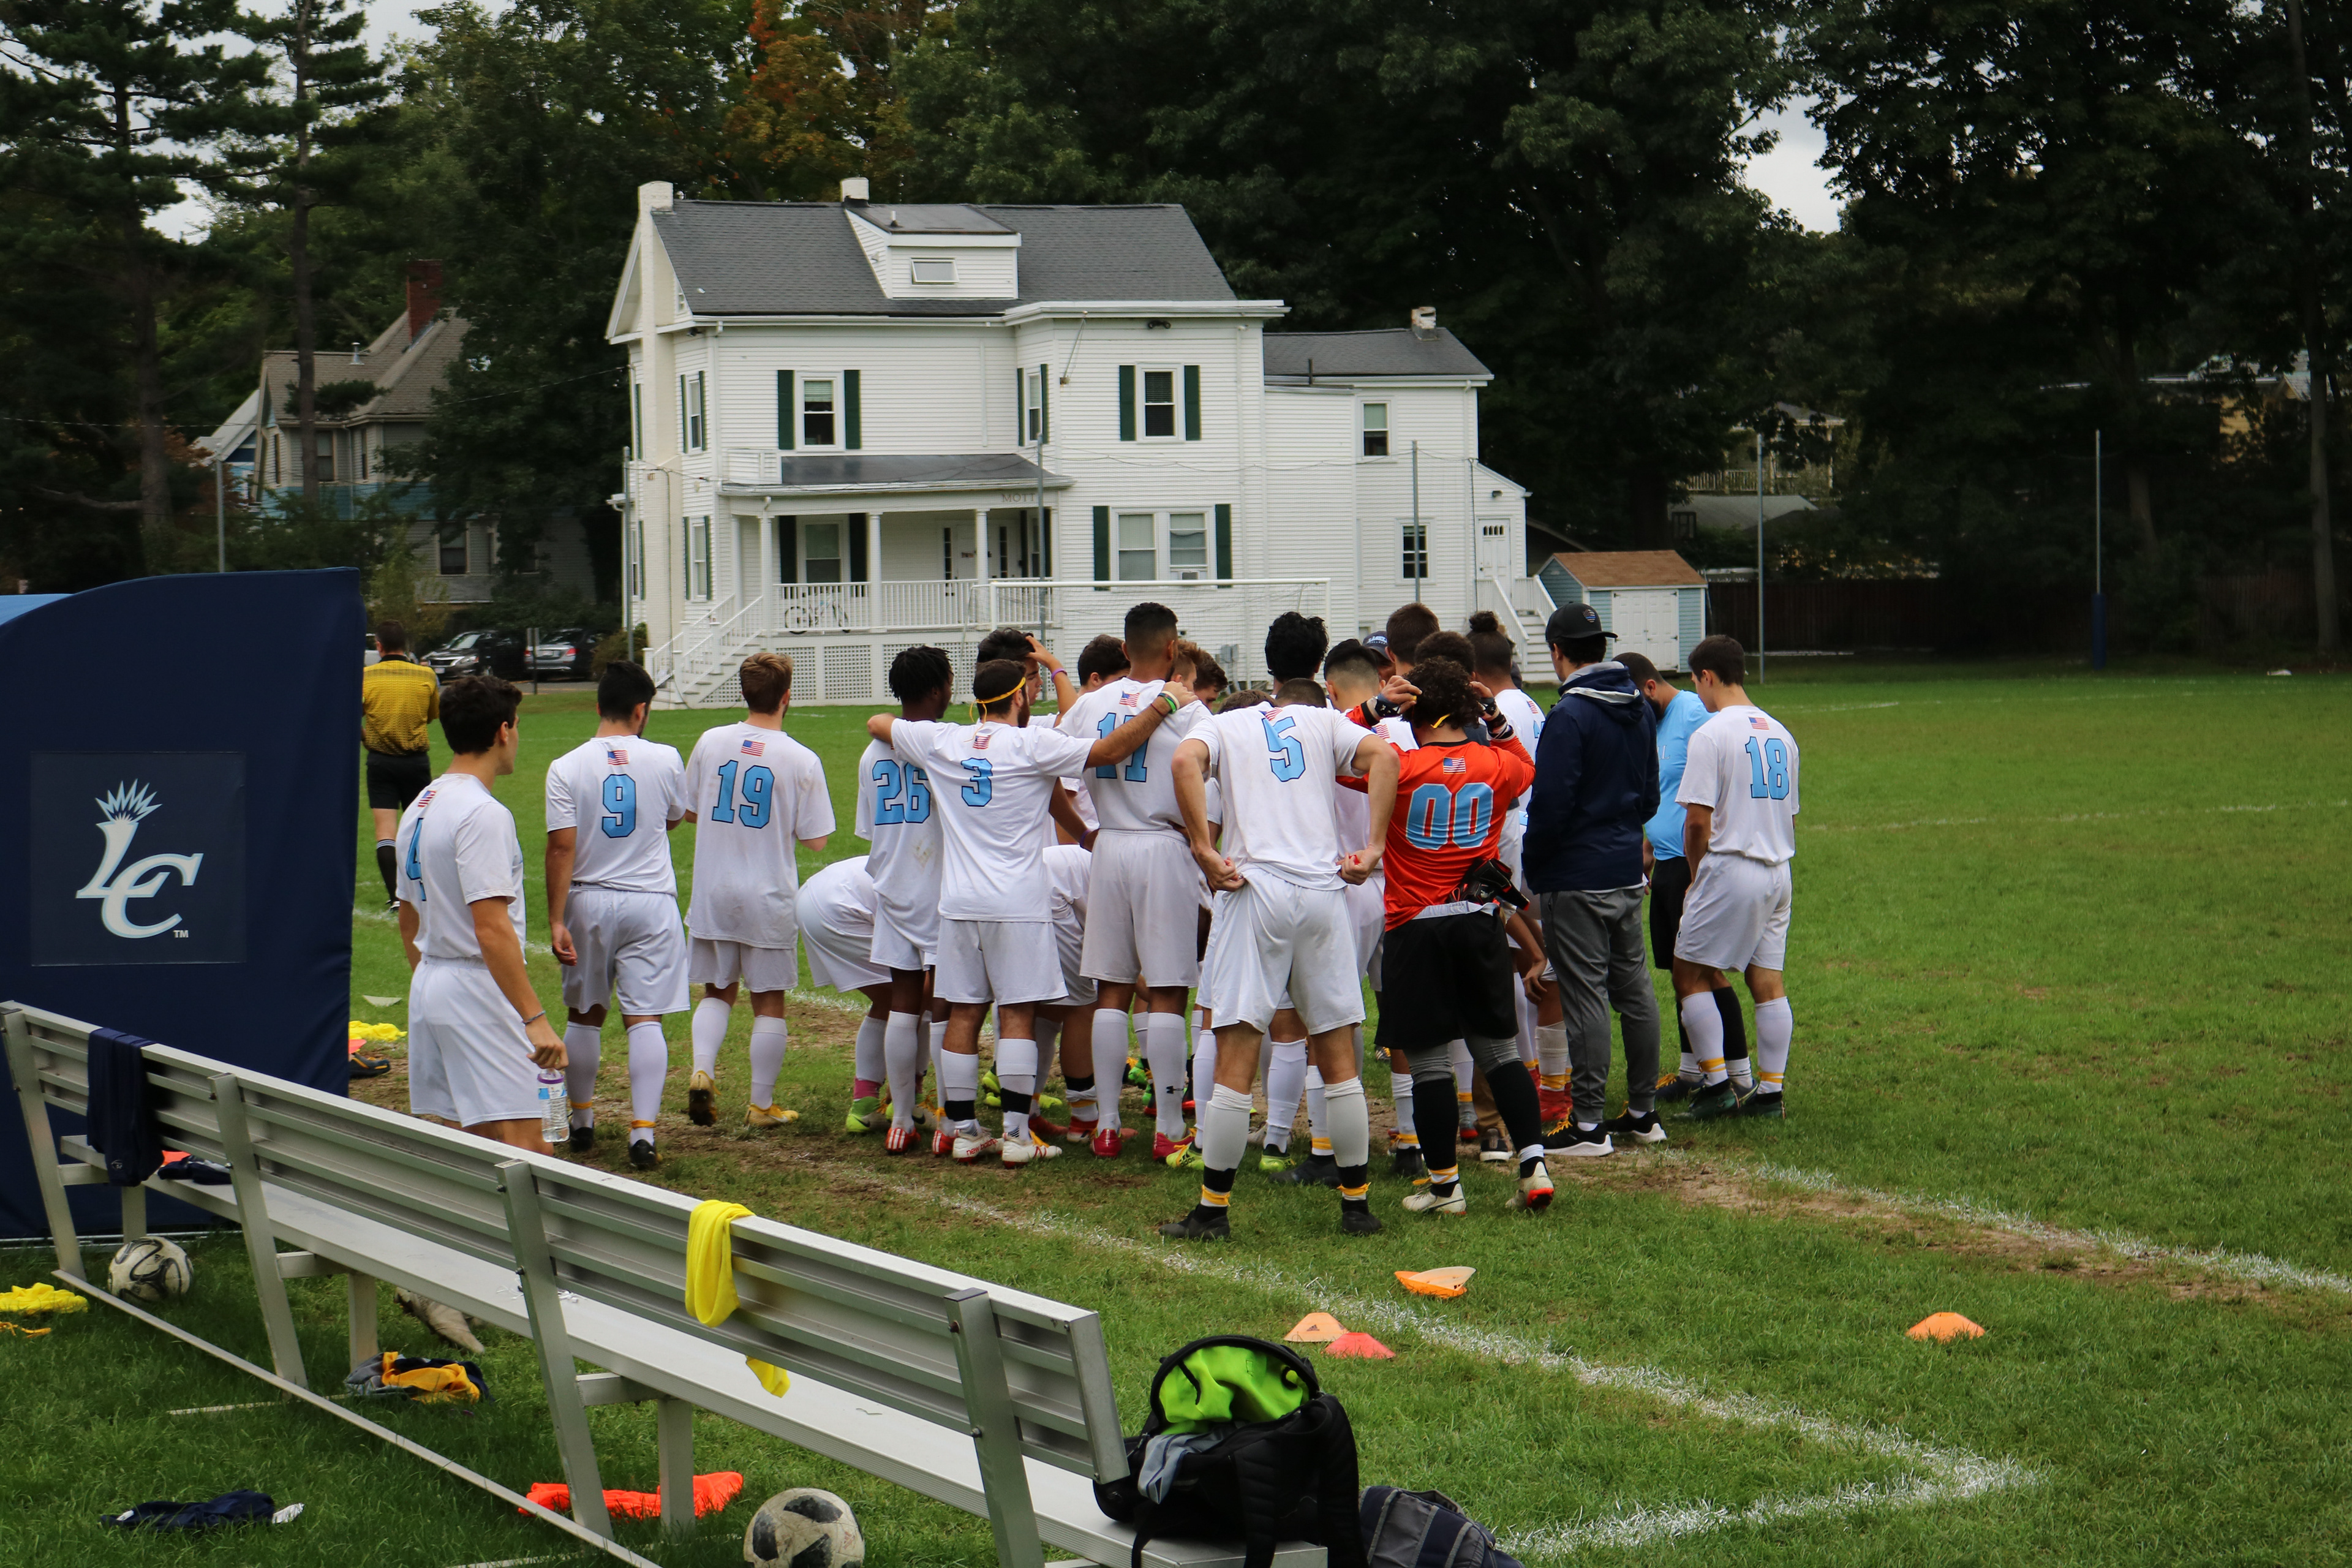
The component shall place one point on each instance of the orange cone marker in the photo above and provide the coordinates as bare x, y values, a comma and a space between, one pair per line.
1362, 1346
1944, 1327
1314, 1329
1445, 1282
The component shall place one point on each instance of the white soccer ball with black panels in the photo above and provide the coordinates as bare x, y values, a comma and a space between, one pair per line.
149, 1269
804, 1528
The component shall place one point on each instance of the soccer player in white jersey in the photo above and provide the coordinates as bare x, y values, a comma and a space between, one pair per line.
1142, 930
898, 816
754, 794
478, 1037
1738, 796
611, 900
990, 783
1281, 924
836, 915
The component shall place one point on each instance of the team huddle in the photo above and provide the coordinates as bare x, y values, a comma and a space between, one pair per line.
1159, 881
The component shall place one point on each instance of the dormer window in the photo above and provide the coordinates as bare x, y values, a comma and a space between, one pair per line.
934, 269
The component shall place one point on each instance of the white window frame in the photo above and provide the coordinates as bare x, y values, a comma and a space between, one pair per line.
697, 559
637, 421
465, 548
635, 563
1143, 405
838, 381
1364, 431
841, 559
1206, 567
1120, 550
1406, 552
914, 265
1032, 405
693, 408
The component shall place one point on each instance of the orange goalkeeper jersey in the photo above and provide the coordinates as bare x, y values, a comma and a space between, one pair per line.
1449, 800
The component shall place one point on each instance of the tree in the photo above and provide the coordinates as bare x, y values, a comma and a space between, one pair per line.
826, 95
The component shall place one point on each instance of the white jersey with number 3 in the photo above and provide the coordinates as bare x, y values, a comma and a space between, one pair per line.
1137, 796
618, 794
990, 784
754, 794
1275, 768
1743, 766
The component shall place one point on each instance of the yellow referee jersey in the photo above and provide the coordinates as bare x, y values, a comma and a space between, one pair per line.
398, 698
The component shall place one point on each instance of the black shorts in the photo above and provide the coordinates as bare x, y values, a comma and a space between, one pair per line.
1446, 978
1669, 883
396, 778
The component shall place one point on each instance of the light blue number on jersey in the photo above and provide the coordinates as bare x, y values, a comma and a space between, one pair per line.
1768, 769
1136, 771
416, 871
759, 792
1436, 816
621, 801
983, 781
1285, 756
893, 779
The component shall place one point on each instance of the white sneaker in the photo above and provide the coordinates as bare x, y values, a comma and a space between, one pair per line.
1020, 1150
1535, 1192
970, 1148
1578, 1144
1427, 1202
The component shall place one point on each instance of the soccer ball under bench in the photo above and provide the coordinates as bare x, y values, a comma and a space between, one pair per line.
149, 1269
804, 1528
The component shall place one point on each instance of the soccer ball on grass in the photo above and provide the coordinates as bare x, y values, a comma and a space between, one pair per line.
804, 1528
149, 1269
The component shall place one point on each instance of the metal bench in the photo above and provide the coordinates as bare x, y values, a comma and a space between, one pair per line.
992, 1400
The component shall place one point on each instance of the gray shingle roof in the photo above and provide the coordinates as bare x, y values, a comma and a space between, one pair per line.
408, 371
853, 471
781, 259
1389, 351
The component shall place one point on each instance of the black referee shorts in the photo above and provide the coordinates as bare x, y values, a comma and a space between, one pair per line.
1446, 978
396, 778
1669, 883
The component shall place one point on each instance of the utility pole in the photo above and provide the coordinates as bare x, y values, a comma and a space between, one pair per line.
220, 506
1759, 552
1419, 539
2098, 551
2314, 344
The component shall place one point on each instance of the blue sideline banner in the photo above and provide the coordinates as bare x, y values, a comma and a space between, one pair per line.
176, 833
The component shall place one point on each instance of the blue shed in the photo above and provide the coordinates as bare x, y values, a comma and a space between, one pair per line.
1652, 599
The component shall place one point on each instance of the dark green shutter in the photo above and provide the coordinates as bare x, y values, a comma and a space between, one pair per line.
785, 411
1020, 409
1046, 542
1045, 406
1224, 540
853, 425
788, 548
1125, 405
1102, 544
856, 526
1192, 403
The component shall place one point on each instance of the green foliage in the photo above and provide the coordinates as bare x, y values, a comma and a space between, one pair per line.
617, 645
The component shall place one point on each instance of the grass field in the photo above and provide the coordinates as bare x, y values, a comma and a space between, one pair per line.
2070, 1059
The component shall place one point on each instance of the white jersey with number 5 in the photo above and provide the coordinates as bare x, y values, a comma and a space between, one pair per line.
1743, 765
1275, 768
990, 784
618, 794
1137, 796
754, 794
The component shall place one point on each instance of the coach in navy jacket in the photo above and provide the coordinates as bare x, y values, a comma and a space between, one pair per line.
1596, 786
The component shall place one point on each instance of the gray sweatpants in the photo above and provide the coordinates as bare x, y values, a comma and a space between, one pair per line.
1599, 959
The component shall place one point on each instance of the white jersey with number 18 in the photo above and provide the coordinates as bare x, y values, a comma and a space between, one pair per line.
1743, 766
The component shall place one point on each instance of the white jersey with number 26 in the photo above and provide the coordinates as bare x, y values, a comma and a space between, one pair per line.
1743, 765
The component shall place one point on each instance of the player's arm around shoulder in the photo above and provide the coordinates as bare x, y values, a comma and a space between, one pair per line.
1380, 763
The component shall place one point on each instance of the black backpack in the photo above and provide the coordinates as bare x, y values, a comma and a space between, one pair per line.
1425, 1529
1263, 1483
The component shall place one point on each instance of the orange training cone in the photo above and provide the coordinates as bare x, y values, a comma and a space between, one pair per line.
1446, 1282
1945, 1327
1362, 1346
1314, 1329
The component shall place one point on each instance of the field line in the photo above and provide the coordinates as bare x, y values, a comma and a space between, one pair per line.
2251, 1267
1947, 1474
2076, 816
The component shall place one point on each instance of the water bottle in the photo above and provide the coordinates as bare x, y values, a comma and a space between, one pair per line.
555, 1107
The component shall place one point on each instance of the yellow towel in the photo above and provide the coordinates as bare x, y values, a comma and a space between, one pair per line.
42, 1298
711, 1277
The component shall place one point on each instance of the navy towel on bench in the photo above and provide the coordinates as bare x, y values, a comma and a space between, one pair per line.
122, 1124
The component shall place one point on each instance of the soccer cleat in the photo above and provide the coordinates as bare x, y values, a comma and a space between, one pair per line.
1137, 1077
1166, 1150
1577, 1144
1200, 1225
970, 1147
1274, 1162
1713, 1101
1674, 1089
1359, 1222
642, 1156
1045, 1127
768, 1116
1315, 1171
942, 1142
584, 1139
1641, 1127
1081, 1129
1468, 1135
1764, 1103
1021, 1151
702, 1099
1429, 1201
866, 1115
900, 1139
1407, 1162
1108, 1141
1535, 1192
1494, 1149
1187, 1158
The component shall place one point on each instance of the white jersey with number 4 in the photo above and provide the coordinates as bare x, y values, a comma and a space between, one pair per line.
1743, 765
457, 848
1276, 767
754, 794
990, 783
1137, 796
618, 794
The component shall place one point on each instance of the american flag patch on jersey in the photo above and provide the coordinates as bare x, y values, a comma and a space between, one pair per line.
980, 741
616, 757
755, 748
1453, 765
1127, 699
425, 799
1756, 723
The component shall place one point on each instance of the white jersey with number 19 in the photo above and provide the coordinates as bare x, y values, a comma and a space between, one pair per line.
754, 793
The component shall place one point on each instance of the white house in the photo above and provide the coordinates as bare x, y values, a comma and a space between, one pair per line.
856, 426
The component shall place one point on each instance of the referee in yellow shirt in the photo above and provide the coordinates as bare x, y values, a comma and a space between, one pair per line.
398, 699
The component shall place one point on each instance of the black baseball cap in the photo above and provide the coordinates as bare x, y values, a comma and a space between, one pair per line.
1574, 623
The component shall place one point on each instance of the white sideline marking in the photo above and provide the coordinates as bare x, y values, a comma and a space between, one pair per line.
1950, 1474
2078, 817
2252, 1266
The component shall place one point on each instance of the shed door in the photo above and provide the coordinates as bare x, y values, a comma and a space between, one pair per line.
1648, 621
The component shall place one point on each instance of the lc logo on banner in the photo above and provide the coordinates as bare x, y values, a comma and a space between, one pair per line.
138, 858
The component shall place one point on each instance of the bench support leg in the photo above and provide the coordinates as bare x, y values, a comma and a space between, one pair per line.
260, 1241
545, 1302
134, 1213
25, 1070
996, 1433
362, 1288
674, 1437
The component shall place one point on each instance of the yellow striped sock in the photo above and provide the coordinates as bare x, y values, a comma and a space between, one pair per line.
1322, 1145
1355, 1195
1214, 1200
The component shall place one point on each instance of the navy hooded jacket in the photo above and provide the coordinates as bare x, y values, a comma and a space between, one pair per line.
1596, 785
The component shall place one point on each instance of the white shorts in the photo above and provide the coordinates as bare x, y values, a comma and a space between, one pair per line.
1143, 904
1069, 942
897, 947
710, 962
630, 941
1003, 962
842, 959
468, 1058
1271, 937
1736, 915
1368, 915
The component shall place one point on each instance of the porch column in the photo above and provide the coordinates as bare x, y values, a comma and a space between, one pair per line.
874, 570
767, 568
980, 567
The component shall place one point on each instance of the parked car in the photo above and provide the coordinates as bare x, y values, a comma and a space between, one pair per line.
373, 654
478, 653
568, 654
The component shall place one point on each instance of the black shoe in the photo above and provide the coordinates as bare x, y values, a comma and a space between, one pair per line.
1407, 1163
584, 1139
642, 1156
1640, 1127
391, 906
365, 1066
1569, 1140
1714, 1101
702, 1099
1674, 1090
1358, 1221
1494, 1149
1765, 1102
1200, 1224
1315, 1171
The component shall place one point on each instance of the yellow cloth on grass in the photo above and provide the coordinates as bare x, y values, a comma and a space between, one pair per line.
43, 1297
711, 1277
364, 1030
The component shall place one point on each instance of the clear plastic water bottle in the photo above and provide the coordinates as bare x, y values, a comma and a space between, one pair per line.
555, 1107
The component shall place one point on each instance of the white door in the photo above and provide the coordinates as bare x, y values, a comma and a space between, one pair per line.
1648, 621
1494, 548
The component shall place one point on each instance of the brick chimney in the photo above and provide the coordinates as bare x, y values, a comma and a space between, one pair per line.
424, 296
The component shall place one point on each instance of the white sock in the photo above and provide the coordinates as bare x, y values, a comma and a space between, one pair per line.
1110, 1066
584, 1047
1204, 1068
709, 1032
1690, 1064
902, 1061
1350, 1124
1319, 1115
649, 1069
1463, 1067
1286, 1076
1049, 1035
1224, 1129
870, 1065
1551, 1048
939, 1049
959, 1079
1704, 1025
1016, 1073
1776, 1025
1400, 1101
767, 1039
1163, 1053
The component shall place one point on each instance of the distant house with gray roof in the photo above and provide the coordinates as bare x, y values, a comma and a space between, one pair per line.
858, 426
